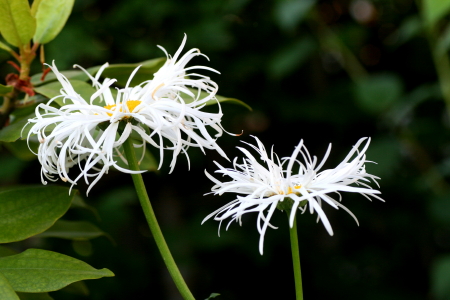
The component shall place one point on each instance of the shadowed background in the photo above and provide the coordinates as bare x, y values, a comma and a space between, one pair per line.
322, 71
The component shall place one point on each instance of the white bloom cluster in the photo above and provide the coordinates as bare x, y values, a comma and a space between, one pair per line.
166, 109
262, 187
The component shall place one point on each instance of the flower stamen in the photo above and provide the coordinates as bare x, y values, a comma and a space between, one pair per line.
131, 104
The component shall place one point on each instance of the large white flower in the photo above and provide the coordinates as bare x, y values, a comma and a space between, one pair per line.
162, 110
290, 184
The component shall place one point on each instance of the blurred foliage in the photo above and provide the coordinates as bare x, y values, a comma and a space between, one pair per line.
325, 71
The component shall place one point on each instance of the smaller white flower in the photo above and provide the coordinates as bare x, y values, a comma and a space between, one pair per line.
158, 111
290, 183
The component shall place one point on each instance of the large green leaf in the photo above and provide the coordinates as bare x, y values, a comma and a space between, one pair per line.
29, 210
6, 291
5, 251
78, 202
122, 72
434, 10
77, 288
73, 230
34, 296
52, 89
37, 271
51, 16
69, 74
14, 131
17, 25
21, 149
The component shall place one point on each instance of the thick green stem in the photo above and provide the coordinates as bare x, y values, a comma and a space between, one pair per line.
153, 224
296, 259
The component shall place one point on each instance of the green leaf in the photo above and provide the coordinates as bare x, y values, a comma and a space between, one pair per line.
51, 16
213, 295
78, 202
34, 296
5, 89
219, 98
72, 230
69, 74
34, 7
409, 28
5, 47
6, 291
376, 93
20, 149
434, 10
29, 210
37, 271
17, 25
77, 288
122, 72
83, 248
52, 89
14, 131
5, 251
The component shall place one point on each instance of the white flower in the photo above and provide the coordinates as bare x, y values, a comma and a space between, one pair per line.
159, 111
290, 183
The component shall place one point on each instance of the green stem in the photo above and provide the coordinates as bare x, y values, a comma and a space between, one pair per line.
296, 259
153, 223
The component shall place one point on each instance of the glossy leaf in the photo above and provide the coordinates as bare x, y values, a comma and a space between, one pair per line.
21, 149
51, 16
69, 74
34, 296
72, 230
17, 25
434, 10
52, 89
5, 47
213, 295
13, 132
29, 210
37, 271
34, 7
78, 202
122, 72
77, 288
5, 251
6, 291
5, 89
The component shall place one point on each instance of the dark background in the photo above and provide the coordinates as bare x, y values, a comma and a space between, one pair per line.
325, 71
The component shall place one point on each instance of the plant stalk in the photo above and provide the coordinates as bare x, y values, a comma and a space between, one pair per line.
296, 259
153, 223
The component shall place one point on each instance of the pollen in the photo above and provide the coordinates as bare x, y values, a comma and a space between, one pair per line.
131, 104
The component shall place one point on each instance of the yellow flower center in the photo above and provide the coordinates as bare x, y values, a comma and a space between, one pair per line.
290, 190
131, 104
